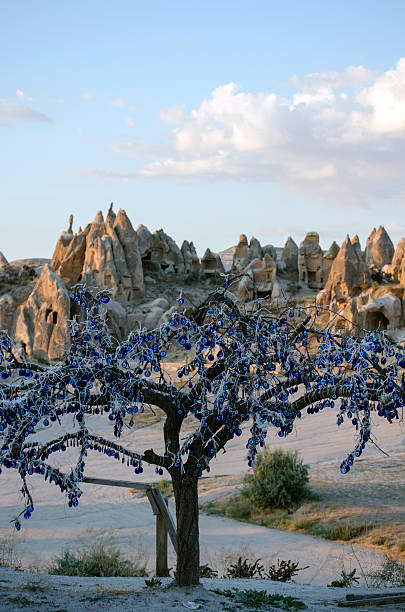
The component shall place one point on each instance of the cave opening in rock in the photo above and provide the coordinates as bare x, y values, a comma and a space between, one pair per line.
376, 320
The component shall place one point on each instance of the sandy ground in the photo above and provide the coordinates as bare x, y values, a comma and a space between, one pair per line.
128, 520
44, 593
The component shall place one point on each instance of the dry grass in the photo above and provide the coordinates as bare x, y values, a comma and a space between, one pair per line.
366, 506
8, 555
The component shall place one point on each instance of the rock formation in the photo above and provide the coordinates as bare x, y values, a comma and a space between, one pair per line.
41, 326
211, 265
109, 253
357, 247
348, 292
369, 244
259, 279
161, 256
398, 262
105, 255
379, 249
348, 275
166, 254
191, 260
3, 260
240, 254
270, 250
329, 258
310, 261
289, 258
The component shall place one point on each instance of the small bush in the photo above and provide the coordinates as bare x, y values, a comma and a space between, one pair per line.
346, 531
279, 480
284, 571
153, 583
166, 487
99, 559
346, 579
244, 569
391, 573
207, 572
8, 557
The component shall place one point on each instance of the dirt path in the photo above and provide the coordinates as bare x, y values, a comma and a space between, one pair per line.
113, 512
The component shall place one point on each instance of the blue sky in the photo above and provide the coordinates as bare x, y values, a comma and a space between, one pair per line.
208, 119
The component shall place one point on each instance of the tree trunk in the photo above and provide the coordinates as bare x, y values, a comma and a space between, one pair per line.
188, 556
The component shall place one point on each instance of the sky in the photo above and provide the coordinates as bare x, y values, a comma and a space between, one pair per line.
207, 119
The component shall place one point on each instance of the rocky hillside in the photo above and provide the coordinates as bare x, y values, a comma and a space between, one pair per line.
146, 271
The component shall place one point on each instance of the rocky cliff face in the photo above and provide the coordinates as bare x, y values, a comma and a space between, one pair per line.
108, 254
42, 325
310, 261
289, 257
105, 255
397, 268
379, 249
351, 293
349, 274
3, 260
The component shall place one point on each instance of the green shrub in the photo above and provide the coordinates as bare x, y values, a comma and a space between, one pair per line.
99, 559
243, 568
391, 573
346, 579
284, 571
207, 572
279, 480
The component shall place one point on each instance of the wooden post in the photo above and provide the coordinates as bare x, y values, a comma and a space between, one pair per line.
165, 524
161, 545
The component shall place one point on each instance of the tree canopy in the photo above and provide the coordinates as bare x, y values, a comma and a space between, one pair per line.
239, 363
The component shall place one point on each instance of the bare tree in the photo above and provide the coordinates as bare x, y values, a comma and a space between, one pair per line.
239, 365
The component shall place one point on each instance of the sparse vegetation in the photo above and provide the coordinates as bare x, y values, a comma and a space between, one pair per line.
282, 572
153, 583
99, 559
256, 599
166, 487
8, 555
346, 579
243, 568
391, 573
207, 572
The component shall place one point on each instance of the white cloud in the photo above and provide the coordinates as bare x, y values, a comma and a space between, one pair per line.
86, 96
20, 93
345, 147
142, 150
118, 102
130, 122
101, 176
386, 99
351, 77
11, 110
174, 114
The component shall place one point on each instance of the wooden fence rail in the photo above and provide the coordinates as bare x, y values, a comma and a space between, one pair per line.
165, 524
